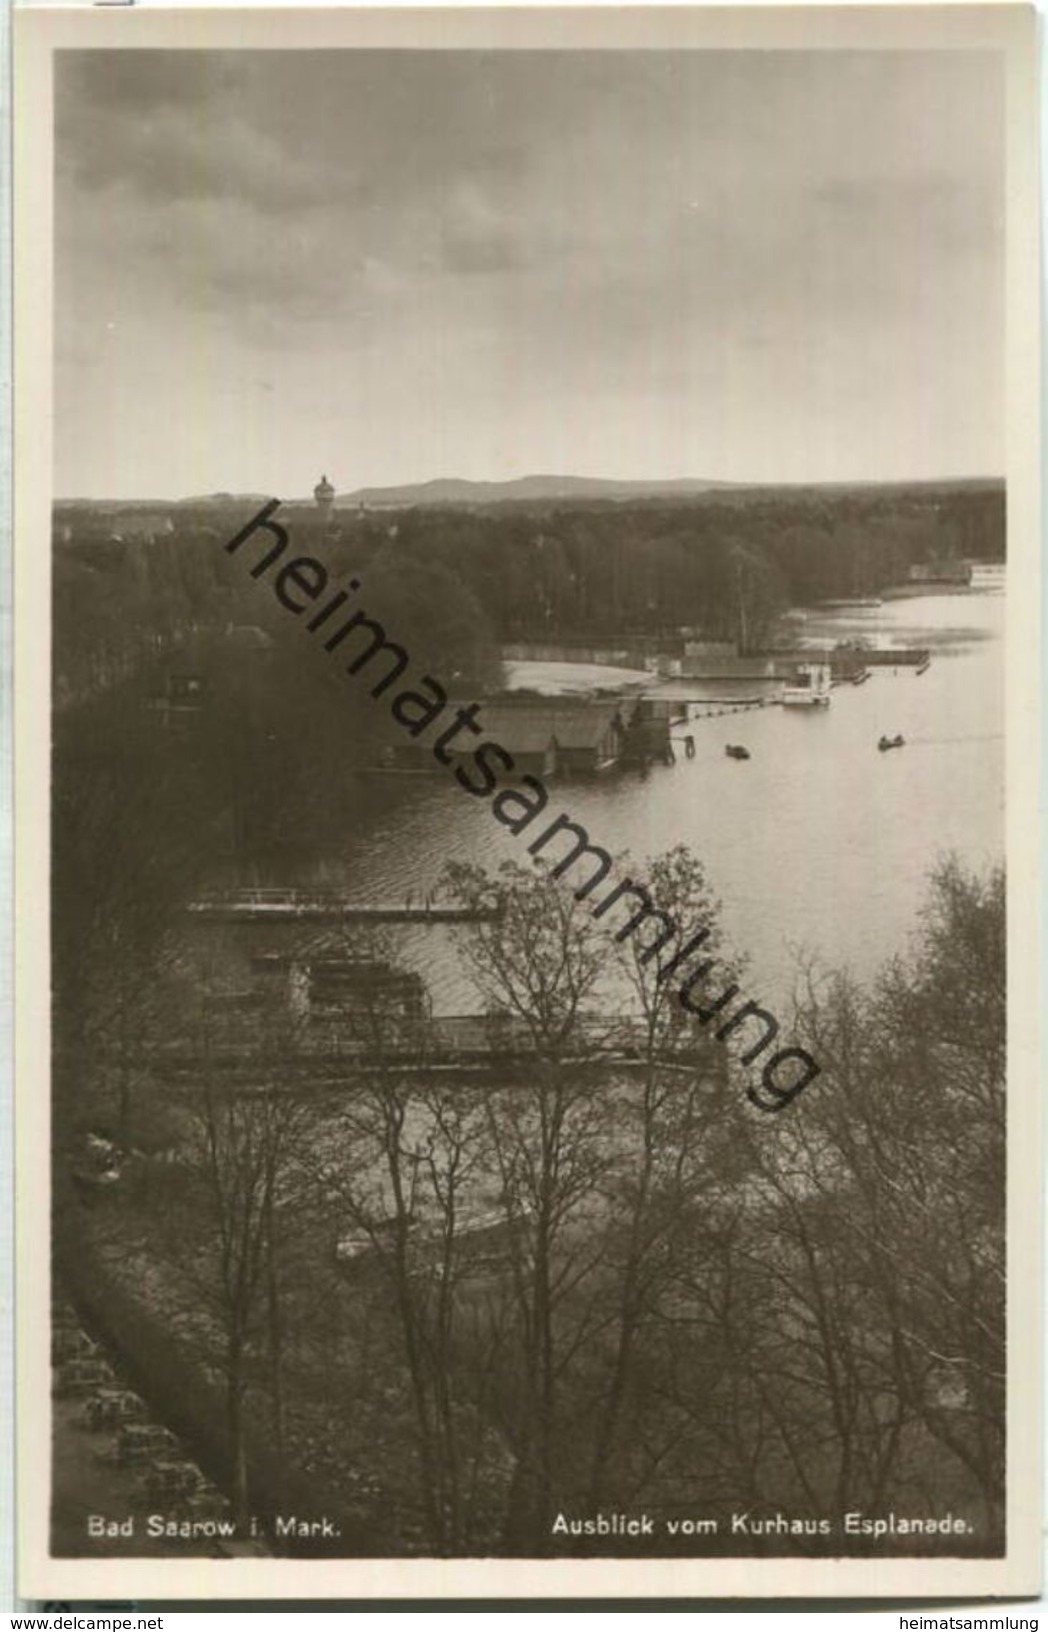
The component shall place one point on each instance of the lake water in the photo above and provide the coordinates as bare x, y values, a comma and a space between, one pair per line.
818, 842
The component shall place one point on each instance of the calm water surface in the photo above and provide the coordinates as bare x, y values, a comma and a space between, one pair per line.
818, 842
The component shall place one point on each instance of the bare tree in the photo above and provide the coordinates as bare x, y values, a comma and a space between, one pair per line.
401, 1162
674, 1164
241, 1127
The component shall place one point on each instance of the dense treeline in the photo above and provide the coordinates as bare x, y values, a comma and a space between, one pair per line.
120, 606
724, 564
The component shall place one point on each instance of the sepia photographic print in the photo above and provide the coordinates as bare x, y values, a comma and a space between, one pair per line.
527, 579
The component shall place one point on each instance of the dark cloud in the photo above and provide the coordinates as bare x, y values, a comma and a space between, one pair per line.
279, 130
740, 263
129, 83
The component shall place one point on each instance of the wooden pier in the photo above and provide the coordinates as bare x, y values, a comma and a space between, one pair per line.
329, 906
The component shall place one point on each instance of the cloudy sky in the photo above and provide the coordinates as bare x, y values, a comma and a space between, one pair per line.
392, 266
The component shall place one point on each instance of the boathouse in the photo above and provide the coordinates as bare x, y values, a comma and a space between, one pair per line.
525, 730
573, 736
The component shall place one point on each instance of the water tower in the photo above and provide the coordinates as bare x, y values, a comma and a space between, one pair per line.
324, 494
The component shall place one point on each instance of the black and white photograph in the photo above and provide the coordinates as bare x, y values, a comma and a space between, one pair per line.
528, 555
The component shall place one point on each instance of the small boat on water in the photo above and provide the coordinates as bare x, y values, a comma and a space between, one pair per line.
891, 742
735, 750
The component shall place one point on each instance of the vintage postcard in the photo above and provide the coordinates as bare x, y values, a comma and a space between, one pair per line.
527, 588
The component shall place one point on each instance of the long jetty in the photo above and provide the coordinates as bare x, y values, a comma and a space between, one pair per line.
277, 906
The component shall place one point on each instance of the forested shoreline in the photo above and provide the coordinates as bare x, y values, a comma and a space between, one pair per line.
126, 581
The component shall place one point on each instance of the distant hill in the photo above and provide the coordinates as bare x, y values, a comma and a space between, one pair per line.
111, 506
455, 490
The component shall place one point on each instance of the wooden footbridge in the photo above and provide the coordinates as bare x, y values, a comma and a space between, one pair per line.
713, 707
